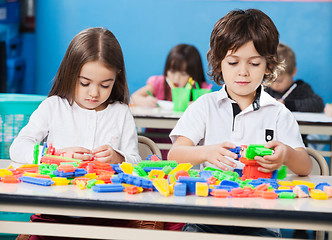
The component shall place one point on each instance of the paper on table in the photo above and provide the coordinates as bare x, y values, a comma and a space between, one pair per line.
165, 104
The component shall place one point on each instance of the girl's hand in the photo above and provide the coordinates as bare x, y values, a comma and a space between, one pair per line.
77, 153
216, 154
106, 153
272, 162
150, 101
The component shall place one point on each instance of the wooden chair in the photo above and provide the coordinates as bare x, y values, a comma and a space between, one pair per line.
147, 147
319, 164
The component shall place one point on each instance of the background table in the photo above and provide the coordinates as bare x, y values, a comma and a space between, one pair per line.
303, 213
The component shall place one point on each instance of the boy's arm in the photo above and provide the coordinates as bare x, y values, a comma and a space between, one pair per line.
184, 151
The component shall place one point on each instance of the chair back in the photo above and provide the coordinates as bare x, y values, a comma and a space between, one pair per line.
319, 164
147, 147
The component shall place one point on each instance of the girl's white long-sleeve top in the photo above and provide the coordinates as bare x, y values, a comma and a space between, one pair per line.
72, 126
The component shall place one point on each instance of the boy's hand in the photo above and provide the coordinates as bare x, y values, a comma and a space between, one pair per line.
77, 153
272, 162
216, 154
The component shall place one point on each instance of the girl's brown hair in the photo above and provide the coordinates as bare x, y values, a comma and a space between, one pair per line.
237, 28
92, 44
186, 58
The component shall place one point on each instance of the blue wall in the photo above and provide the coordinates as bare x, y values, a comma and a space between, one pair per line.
148, 29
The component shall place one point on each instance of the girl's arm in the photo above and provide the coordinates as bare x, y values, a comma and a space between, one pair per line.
184, 151
143, 98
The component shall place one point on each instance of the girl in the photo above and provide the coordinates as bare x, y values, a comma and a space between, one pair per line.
183, 62
86, 112
242, 55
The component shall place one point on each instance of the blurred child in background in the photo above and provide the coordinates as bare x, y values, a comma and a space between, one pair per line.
183, 62
297, 95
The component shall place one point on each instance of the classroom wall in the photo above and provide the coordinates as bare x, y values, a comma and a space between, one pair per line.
148, 29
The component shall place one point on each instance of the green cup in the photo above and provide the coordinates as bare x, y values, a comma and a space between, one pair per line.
199, 92
180, 99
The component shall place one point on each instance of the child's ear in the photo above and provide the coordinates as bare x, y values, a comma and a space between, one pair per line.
294, 72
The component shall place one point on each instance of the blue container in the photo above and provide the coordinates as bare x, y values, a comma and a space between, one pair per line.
15, 74
15, 111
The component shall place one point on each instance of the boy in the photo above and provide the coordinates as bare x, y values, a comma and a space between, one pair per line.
297, 95
243, 48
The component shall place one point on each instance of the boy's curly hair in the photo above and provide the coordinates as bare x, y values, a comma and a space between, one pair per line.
237, 28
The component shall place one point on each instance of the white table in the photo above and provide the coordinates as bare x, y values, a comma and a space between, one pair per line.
305, 213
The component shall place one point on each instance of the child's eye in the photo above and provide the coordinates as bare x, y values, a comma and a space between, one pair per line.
84, 84
255, 64
232, 63
104, 86
184, 74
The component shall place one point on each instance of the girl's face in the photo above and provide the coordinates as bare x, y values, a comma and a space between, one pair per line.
179, 79
94, 86
243, 71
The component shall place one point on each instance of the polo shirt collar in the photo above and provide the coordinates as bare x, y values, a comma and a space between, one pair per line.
262, 98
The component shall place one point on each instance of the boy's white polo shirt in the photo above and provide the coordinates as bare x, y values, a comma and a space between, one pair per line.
209, 120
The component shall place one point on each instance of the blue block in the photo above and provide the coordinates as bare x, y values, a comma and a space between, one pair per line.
228, 183
148, 169
228, 188
108, 188
321, 186
37, 181
191, 183
180, 189
80, 172
63, 174
116, 168
304, 188
282, 190
206, 174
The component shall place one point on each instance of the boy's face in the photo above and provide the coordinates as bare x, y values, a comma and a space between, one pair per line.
243, 72
94, 86
282, 83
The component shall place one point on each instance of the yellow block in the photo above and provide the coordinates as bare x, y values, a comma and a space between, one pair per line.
127, 167
80, 184
162, 186
158, 173
202, 189
306, 183
318, 194
91, 175
5, 172
286, 183
60, 181
182, 166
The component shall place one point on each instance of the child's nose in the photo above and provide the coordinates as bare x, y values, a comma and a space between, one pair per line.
243, 71
93, 91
